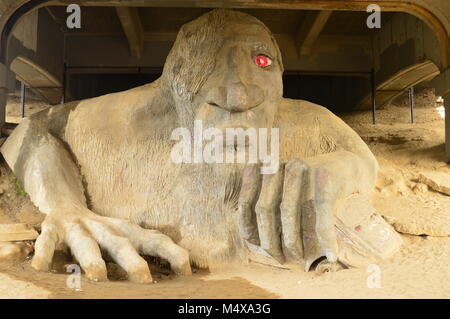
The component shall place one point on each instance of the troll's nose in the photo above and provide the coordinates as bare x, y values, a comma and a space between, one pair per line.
237, 97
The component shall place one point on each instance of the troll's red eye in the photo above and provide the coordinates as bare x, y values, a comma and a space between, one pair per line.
263, 61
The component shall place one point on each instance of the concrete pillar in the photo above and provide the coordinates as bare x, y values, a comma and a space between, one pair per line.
441, 84
6, 85
447, 125
3, 96
2, 109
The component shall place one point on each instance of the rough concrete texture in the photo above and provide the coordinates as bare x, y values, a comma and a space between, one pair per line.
438, 181
17, 289
14, 251
116, 149
406, 151
16, 232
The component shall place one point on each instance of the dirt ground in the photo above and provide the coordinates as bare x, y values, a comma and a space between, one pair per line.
32, 105
419, 213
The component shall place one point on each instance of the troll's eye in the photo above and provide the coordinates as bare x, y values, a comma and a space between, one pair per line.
263, 61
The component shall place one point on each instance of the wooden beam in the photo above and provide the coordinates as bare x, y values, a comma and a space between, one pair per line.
310, 30
132, 26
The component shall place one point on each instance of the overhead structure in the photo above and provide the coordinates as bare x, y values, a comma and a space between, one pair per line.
310, 30
132, 26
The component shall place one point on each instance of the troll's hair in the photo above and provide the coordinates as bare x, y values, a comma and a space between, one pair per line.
192, 58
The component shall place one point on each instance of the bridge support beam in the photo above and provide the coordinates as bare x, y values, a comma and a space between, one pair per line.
7, 81
447, 126
441, 84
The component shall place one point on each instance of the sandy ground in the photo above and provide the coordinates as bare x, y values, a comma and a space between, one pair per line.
419, 270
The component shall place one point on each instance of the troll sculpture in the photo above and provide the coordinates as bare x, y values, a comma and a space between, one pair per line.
101, 169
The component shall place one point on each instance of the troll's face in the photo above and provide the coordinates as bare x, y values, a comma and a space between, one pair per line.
225, 69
